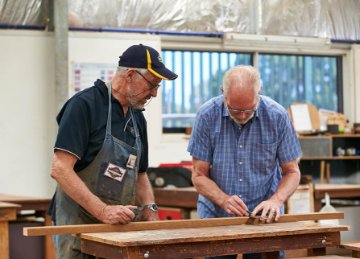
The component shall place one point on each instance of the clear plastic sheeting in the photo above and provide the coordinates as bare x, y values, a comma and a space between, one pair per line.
336, 19
20, 12
165, 15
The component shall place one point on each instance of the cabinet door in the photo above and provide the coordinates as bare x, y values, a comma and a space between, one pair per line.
316, 147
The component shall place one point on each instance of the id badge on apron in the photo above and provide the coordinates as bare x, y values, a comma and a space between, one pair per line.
115, 172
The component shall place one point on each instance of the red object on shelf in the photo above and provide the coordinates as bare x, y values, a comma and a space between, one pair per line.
172, 213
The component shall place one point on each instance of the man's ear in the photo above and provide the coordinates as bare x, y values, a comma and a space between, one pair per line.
129, 74
222, 89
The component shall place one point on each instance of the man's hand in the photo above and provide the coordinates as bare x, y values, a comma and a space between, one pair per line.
117, 214
149, 215
270, 211
234, 205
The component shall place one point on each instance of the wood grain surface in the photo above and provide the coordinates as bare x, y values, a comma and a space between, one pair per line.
172, 236
172, 224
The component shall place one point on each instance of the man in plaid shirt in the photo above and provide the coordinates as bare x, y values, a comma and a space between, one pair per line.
245, 152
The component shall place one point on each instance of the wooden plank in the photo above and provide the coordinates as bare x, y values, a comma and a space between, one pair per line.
323, 257
175, 224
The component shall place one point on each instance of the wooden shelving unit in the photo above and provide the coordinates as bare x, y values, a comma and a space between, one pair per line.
321, 152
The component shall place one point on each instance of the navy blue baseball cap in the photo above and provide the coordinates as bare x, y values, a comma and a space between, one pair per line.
141, 56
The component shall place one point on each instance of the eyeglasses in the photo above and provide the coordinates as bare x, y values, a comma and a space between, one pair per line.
235, 111
153, 86
246, 112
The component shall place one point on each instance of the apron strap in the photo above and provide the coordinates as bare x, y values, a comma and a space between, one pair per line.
136, 130
137, 137
108, 123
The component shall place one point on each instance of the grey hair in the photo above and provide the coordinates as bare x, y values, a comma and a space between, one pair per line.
121, 70
245, 73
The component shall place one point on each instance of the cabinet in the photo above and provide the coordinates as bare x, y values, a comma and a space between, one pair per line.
334, 156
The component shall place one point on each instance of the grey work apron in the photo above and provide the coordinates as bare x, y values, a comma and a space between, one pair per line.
112, 176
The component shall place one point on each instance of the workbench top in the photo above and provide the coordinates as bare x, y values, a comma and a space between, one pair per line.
172, 236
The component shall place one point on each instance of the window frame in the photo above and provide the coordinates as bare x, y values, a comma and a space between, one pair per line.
264, 44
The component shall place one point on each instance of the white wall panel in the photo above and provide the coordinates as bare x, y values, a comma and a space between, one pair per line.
26, 112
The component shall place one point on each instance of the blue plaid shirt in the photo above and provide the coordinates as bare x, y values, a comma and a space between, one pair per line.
244, 160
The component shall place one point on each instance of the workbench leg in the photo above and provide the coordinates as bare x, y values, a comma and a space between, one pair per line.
4, 240
322, 170
317, 204
327, 173
49, 245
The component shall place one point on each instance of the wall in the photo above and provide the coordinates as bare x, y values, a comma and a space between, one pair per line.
27, 108
26, 111
105, 48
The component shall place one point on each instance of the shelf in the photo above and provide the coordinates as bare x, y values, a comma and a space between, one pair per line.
325, 147
332, 158
340, 135
344, 135
320, 156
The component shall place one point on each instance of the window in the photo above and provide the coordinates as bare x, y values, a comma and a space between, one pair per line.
294, 78
200, 78
285, 78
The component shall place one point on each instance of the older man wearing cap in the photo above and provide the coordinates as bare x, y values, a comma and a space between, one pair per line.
101, 150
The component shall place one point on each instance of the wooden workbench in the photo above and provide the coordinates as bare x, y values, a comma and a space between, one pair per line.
211, 241
181, 197
334, 191
40, 206
7, 213
187, 197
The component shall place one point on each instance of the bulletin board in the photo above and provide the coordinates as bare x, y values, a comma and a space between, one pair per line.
96, 55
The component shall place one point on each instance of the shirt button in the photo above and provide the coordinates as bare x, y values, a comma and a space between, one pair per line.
240, 180
241, 146
240, 163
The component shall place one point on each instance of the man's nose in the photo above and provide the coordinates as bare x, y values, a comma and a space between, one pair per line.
242, 115
154, 92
